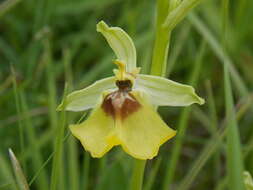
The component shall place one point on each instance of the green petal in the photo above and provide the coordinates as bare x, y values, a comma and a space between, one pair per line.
121, 44
96, 133
87, 98
143, 132
164, 92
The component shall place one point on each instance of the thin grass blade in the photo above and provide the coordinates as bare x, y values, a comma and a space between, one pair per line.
20, 177
234, 153
5, 6
220, 53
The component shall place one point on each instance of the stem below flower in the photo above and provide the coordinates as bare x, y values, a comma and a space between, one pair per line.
137, 176
158, 67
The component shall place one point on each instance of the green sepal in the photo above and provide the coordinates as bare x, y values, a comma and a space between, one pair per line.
164, 92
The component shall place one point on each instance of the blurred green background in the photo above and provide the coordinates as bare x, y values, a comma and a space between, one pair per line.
50, 42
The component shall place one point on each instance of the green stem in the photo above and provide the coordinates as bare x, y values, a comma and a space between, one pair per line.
159, 62
162, 40
138, 173
158, 67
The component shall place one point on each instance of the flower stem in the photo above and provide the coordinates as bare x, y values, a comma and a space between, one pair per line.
158, 67
138, 173
162, 40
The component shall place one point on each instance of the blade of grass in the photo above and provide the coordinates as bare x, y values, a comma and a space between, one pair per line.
43, 140
214, 127
213, 144
73, 163
79, 7
201, 160
5, 84
101, 168
6, 174
8, 52
175, 52
153, 173
20, 178
35, 151
202, 117
243, 109
46, 162
5, 6
51, 85
86, 162
57, 170
231, 123
219, 51
86, 168
47, 58
234, 154
95, 72
32, 113
41, 168
183, 121
212, 106
58, 149
240, 12
18, 109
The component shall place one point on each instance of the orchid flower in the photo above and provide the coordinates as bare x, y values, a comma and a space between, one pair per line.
124, 105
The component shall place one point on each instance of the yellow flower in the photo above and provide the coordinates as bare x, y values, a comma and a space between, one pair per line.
124, 105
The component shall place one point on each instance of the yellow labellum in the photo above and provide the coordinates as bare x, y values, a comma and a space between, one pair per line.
140, 134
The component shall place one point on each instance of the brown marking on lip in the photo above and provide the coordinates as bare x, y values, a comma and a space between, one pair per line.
129, 106
124, 85
121, 103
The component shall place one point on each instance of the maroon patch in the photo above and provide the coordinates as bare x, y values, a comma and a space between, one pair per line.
124, 85
129, 106
108, 106
120, 104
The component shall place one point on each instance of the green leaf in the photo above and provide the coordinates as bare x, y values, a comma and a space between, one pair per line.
179, 13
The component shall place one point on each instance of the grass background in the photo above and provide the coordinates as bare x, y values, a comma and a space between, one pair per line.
45, 43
